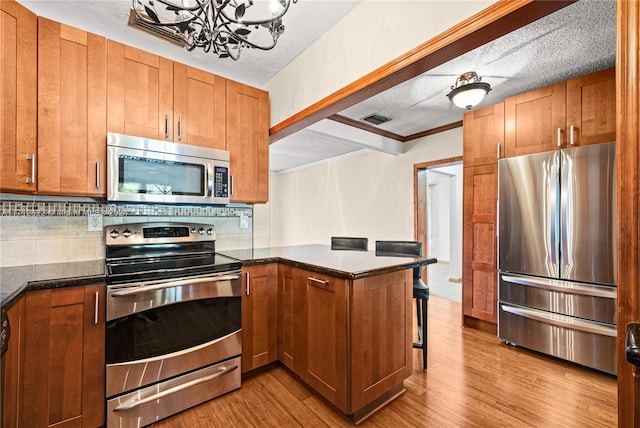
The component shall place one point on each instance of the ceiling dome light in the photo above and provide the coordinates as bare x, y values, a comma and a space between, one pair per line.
468, 90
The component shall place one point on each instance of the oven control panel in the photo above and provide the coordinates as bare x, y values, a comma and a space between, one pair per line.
155, 233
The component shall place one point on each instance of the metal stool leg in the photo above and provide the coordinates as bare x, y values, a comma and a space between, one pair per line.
421, 310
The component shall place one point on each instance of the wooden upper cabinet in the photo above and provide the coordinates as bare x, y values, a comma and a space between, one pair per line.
259, 316
199, 107
72, 110
140, 92
18, 97
535, 121
248, 142
480, 243
591, 108
483, 135
63, 374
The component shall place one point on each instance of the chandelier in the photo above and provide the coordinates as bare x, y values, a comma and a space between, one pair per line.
468, 90
223, 27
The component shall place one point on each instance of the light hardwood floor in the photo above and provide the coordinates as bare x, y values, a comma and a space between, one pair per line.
473, 380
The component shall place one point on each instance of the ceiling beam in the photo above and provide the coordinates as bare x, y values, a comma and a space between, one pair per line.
491, 23
360, 137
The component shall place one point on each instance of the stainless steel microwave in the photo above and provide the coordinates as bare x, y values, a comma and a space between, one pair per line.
146, 170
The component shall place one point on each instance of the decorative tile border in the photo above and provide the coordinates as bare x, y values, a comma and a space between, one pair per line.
80, 209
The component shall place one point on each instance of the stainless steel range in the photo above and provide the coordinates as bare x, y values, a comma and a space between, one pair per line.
173, 321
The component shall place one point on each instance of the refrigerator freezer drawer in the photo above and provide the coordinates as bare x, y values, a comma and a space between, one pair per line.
148, 405
593, 302
583, 342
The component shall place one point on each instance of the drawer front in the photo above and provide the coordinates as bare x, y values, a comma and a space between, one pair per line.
584, 342
164, 399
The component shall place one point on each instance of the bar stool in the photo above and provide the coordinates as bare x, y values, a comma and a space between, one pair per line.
420, 289
348, 243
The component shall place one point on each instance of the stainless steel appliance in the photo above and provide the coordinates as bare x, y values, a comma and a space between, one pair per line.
173, 335
557, 254
145, 170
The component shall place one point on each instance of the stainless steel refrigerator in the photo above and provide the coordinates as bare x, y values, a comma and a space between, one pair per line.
557, 254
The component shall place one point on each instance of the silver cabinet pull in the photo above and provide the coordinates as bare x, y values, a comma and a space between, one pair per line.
498, 151
247, 277
559, 137
95, 313
320, 281
97, 174
180, 128
32, 158
133, 404
571, 129
166, 126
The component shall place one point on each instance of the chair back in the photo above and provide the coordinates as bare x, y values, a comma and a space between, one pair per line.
349, 243
399, 248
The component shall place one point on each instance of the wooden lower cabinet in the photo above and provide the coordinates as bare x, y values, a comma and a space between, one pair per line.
63, 361
350, 340
259, 316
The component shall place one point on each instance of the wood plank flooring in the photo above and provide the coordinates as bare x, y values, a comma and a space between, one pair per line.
473, 380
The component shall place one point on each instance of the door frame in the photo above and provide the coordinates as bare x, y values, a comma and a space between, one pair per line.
420, 200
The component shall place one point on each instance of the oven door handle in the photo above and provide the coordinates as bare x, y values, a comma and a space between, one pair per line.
163, 285
133, 404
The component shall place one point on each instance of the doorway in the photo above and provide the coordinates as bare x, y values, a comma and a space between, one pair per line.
439, 224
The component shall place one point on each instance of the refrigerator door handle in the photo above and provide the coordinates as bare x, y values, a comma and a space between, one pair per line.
565, 213
562, 321
554, 285
552, 217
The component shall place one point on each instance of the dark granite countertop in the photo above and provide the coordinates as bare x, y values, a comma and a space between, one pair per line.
16, 279
322, 259
316, 258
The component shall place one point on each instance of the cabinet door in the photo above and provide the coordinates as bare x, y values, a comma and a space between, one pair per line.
18, 98
140, 92
381, 335
535, 121
483, 135
591, 108
325, 320
63, 381
248, 142
199, 107
290, 328
259, 316
72, 110
479, 251
12, 367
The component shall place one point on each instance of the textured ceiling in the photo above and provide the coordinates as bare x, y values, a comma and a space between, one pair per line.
574, 41
305, 22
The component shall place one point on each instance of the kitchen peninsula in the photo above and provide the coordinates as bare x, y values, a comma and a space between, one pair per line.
339, 320
344, 323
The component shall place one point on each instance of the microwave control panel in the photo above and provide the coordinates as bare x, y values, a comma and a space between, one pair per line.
221, 182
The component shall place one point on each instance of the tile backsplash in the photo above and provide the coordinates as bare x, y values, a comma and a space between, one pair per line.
44, 232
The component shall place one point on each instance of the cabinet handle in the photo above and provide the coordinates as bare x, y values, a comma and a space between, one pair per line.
571, 129
32, 158
95, 313
97, 174
559, 137
320, 281
180, 128
498, 151
166, 126
247, 279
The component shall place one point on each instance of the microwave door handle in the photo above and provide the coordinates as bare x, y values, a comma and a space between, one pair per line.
208, 178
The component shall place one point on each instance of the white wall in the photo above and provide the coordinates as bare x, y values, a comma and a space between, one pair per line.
439, 215
371, 35
366, 195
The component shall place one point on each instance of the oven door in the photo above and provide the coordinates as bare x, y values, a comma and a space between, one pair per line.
161, 329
